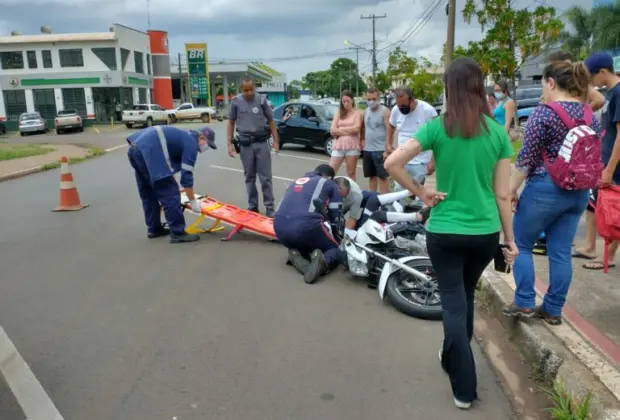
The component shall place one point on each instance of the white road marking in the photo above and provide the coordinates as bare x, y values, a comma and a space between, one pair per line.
225, 168
29, 393
306, 158
115, 148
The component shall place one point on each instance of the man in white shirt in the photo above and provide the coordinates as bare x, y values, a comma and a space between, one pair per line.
407, 116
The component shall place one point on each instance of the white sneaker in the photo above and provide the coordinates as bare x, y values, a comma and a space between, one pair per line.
462, 405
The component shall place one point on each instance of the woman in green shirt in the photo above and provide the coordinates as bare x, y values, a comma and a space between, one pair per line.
472, 154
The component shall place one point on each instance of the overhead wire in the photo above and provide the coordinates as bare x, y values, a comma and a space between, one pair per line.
414, 29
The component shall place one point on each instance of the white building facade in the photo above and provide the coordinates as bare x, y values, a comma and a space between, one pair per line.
96, 74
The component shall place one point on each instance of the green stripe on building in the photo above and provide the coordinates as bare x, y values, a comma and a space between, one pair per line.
137, 81
76, 81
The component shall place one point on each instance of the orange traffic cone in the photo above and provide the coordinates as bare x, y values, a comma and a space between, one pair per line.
69, 197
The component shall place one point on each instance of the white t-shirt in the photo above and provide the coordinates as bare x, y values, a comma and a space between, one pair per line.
408, 125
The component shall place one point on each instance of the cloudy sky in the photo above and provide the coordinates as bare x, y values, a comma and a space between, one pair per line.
293, 36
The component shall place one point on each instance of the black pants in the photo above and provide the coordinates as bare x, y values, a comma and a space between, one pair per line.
459, 261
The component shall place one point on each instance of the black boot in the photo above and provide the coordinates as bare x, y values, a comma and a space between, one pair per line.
298, 261
162, 231
317, 267
176, 238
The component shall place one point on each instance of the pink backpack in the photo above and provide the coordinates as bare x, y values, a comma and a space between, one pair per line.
579, 165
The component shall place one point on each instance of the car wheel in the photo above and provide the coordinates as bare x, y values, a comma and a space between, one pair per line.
128, 125
328, 146
173, 119
206, 118
81, 129
22, 134
58, 131
149, 122
522, 122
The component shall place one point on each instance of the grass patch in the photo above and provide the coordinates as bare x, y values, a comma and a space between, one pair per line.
92, 152
516, 146
18, 151
566, 406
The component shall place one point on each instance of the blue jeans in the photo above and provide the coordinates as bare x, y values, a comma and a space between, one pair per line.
543, 206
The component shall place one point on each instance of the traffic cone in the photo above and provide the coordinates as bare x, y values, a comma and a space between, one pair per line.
69, 197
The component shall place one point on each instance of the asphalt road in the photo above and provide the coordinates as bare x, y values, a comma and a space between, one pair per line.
118, 327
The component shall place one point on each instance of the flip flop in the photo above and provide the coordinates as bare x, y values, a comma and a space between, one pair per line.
581, 255
597, 265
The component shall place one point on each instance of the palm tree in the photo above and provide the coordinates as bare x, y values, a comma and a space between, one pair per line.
607, 32
579, 40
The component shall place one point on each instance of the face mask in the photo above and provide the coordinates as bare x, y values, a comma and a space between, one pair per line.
372, 104
404, 109
499, 95
203, 147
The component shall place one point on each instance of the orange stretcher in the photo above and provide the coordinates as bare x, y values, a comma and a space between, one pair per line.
239, 219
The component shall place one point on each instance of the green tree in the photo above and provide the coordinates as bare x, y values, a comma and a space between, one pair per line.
509, 30
579, 38
417, 74
607, 32
382, 81
342, 74
293, 89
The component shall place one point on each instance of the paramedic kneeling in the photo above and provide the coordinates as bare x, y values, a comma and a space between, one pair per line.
299, 224
156, 154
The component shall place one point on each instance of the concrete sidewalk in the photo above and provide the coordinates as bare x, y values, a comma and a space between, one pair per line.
15, 168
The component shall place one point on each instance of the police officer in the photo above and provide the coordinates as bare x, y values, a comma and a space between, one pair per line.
299, 223
253, 118
156, 154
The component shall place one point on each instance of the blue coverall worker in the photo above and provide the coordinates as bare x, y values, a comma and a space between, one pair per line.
299, 224
156, 154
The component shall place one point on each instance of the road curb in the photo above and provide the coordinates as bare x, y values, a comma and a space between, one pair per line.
548, 357
22, 173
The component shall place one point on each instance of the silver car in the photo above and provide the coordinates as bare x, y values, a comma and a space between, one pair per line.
31, 122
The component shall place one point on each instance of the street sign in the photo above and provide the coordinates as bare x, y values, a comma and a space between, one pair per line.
198, 71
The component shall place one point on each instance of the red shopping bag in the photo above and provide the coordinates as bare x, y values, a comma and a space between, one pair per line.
607, 216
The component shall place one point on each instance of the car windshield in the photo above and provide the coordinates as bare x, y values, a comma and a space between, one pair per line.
30, 117
66, 113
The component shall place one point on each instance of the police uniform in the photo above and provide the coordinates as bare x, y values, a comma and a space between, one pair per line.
252, 118
299, 225
156, 154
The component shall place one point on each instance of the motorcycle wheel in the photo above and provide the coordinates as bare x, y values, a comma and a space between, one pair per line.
413, 296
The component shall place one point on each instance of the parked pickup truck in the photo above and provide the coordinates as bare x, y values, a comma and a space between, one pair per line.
188, 112
68, 120
145, 115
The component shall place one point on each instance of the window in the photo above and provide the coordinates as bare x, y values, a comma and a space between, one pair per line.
140, 107
71, 58
138, 59
124, 57
107, 56
156, 107
307, 112
142, 95
44, 102
32, 59
184, 106
12, 60
47, 59
15, 103
148, 64
74, 98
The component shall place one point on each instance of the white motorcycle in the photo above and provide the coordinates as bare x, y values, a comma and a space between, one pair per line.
408, 281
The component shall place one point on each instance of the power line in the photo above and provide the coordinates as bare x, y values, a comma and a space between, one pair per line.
417, 26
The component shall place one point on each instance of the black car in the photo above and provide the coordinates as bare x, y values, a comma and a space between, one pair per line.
2, 128
308, 126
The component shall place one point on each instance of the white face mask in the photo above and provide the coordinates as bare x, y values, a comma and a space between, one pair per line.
499, 95
372, 104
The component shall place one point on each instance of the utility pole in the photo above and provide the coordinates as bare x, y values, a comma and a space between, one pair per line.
374, 41
148, 13
181, 80
451, 12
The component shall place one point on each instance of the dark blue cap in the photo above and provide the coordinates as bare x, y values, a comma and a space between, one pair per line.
598, 61
208, 133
